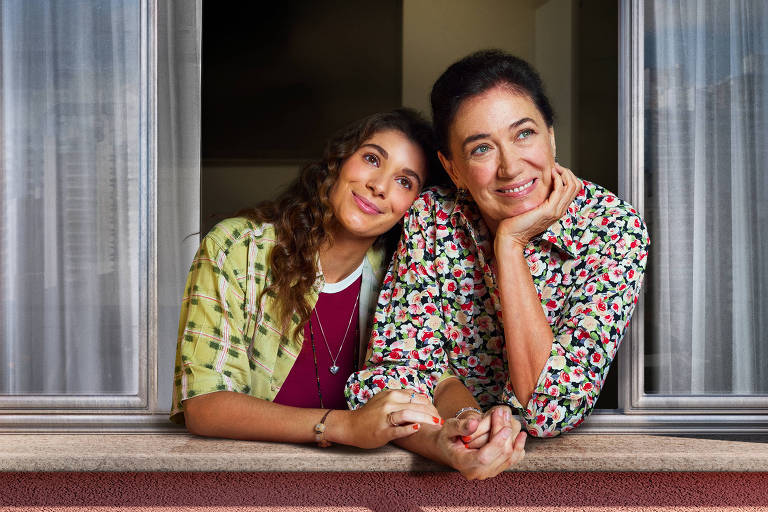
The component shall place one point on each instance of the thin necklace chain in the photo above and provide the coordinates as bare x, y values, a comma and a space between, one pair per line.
333, 369
314, 358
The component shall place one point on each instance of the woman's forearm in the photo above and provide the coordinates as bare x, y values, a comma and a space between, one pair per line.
239, 416
426, 443
451, 396
527, 334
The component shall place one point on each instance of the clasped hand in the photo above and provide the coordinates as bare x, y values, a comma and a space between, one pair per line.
479, 446
483, 446
392, 414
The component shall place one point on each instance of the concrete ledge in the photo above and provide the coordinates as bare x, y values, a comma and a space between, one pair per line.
184, 452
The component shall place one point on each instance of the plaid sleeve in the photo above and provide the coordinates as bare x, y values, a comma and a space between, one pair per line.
211, 352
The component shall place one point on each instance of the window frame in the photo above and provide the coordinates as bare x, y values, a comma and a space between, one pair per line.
638, 411
142, 411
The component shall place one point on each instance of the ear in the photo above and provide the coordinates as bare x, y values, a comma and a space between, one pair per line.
451, 170
552, 142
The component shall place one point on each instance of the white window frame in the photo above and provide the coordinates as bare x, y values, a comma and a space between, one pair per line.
638, 411
141, 412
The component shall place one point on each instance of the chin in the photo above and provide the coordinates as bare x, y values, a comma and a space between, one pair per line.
525, 208
522, 208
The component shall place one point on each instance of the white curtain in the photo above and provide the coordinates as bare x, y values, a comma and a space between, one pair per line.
179, 48
74, 198
706, 158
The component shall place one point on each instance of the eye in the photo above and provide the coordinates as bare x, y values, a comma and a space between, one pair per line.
481, 149
525, 134
371, 159
405, 182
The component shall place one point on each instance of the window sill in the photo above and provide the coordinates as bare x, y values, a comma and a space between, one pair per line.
184, 452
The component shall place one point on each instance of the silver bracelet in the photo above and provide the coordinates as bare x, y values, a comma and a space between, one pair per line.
465, 409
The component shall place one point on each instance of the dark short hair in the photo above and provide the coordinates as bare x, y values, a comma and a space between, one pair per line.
475, 74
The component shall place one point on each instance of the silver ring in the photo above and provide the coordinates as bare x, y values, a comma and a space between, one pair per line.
413, 395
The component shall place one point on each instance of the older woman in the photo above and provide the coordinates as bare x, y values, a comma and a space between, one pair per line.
561, 258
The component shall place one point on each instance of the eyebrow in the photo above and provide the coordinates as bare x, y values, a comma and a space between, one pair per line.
478, 136
409, 172
413, 174
377, 148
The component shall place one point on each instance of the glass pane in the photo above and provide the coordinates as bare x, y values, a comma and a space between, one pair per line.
706, 127
69, 197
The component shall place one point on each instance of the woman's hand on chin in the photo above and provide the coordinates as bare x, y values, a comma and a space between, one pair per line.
520, 229
390, 414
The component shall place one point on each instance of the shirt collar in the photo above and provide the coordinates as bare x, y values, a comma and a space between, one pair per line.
373, 258
466, 212
567, 231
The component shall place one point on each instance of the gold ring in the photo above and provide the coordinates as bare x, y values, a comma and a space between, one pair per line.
389, 420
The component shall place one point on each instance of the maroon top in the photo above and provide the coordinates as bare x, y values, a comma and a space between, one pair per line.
300, 387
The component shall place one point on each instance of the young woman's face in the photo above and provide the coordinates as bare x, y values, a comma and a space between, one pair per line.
377, 184
502, 152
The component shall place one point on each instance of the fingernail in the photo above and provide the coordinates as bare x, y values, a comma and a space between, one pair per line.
442, 421
466, 445
507, 415
435, 419
415, 426
466, 439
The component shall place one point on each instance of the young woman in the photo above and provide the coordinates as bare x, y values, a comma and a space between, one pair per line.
514, 288
278, 300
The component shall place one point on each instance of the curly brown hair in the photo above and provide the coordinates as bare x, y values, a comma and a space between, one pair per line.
303, 217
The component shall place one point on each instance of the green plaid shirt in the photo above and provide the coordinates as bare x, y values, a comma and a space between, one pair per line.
226, 340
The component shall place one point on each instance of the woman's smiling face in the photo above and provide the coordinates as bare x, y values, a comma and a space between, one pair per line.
377, 184
502, 152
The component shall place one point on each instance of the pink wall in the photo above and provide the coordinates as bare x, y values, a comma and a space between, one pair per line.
381, 492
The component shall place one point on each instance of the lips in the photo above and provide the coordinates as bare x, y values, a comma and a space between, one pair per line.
518, 189
366, 206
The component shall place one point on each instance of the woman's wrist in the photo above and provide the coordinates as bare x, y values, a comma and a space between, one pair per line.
506, 246
465, 412
428, 442
320, 438
338, 427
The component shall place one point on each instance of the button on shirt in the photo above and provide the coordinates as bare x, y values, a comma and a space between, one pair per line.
439, 312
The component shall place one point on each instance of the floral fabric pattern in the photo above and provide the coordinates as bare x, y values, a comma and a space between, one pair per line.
439, 312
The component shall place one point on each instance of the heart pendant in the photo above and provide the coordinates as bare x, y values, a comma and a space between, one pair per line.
334, 369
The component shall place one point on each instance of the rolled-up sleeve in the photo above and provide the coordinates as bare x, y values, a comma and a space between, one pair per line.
406, 346
211, 350
587, 335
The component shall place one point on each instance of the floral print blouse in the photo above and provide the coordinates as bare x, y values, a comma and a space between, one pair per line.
439, 312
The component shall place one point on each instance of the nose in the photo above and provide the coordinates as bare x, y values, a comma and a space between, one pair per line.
377, 185
507, 162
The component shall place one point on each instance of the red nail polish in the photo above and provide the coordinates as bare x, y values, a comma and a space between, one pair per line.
466, 445
435, 419
466, 439
442, 421
416, 426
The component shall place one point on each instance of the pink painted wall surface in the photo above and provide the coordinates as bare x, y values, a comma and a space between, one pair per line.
382, 492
